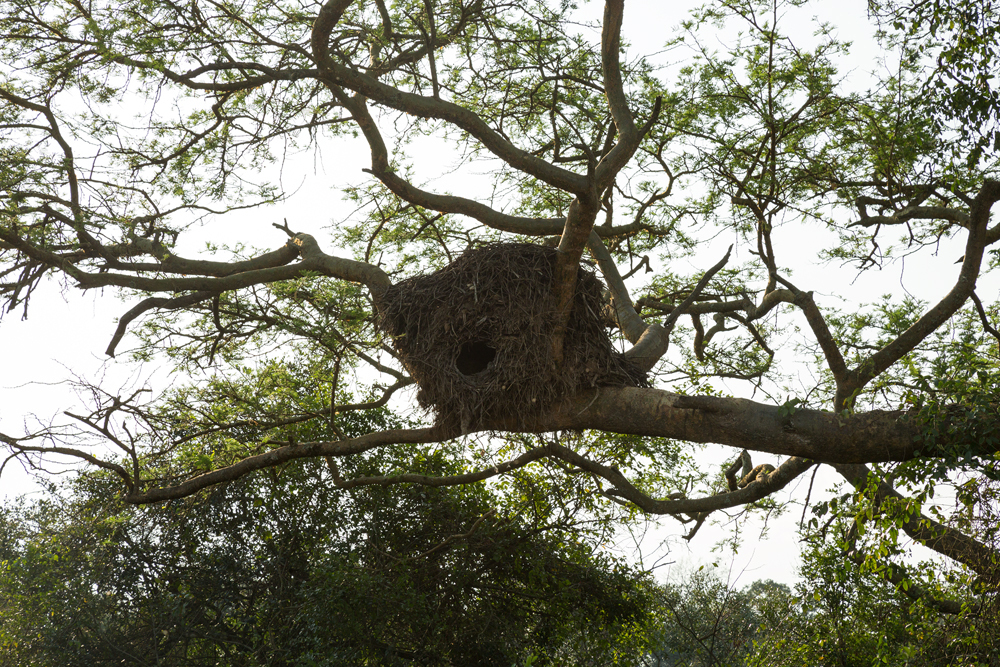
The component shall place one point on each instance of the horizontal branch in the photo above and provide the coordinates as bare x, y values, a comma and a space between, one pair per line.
811, 434
530, 456
915, 213
170, 263
288, 453
314, 260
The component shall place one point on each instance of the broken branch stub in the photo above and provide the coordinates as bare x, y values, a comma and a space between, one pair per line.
476, 337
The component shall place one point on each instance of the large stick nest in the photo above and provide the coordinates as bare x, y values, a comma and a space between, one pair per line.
477, 337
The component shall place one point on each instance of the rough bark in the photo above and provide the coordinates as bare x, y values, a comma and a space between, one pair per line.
819, 436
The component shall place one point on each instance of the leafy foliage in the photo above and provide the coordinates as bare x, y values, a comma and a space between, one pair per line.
283, 569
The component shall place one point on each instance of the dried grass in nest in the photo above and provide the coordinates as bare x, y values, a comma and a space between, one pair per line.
476, 337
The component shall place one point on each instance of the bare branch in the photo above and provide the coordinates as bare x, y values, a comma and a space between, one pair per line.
19, 448
655, 339
447, 480
289, 453
149, 304
632, 325
755, 490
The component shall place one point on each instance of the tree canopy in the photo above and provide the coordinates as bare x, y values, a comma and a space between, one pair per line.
133, 133
289, 570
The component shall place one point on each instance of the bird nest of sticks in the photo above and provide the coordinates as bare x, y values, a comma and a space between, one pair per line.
477, 337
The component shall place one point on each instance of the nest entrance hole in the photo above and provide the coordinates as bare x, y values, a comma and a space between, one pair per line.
476, 336
474, 357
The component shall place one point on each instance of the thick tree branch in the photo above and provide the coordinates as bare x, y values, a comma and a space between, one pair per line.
450, 203
629, 136
170, 263
468, 207
752, 310
915, 213
632, 325
314, 260
217, 277
806, 436
482, 213
611, 69
811, 434
579, 223
831, 351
